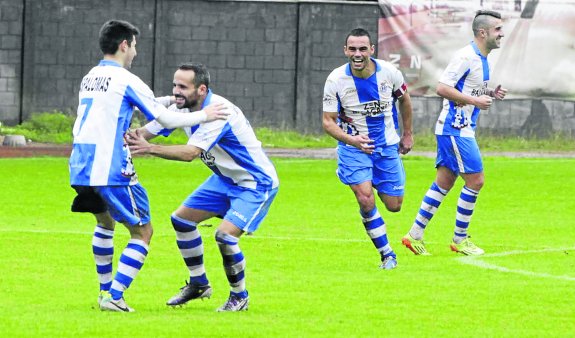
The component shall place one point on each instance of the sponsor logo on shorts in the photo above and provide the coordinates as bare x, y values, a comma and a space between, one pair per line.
397, 187
240, 216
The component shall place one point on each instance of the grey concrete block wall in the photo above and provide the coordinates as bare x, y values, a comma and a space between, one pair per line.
249, 48
61, 45
271, 58
10, 60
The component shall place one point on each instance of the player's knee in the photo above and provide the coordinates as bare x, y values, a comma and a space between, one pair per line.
145, 236
144, 232
106, 220
366, 202
394, 206
392, 203
476, 184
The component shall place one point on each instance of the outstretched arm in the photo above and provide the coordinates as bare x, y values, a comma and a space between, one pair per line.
143, 132
171, 120
139, 145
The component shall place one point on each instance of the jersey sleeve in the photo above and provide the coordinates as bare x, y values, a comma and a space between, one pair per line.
209, 133
156, 127
141, 96
399, 86
456, 68
164, 100
330, 97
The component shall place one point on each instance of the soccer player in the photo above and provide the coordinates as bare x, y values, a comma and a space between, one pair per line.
357, 111
241, 189
464, 87
101, 169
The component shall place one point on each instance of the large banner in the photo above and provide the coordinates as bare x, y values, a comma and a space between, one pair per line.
536, 58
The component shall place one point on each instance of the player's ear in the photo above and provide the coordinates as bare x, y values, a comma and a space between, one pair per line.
124, 46
202, 89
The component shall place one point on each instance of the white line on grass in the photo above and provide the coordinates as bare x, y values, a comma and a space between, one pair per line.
286, 238
469, 260
479, 262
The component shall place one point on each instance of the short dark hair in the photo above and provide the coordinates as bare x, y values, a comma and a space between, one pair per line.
487, 12
201, 77
113, 32
358, 32
481, 20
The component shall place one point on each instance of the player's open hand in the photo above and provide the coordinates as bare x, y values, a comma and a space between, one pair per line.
216, 111
137, 143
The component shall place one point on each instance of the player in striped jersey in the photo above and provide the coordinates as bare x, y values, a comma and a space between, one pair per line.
358, 111
101, 169
241, 189
464, 87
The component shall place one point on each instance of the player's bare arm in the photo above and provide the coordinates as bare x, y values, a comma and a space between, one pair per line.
361, 142
142, 132
452, 94
139, 145
406, 110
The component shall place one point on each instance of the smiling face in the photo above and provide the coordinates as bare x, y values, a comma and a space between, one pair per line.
494, 34
186, 93
358, 50
487, 29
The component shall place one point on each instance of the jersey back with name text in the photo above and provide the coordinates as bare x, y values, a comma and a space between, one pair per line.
108, 95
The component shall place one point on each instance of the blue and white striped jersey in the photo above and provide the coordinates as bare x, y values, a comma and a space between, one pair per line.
108, 95
468, 72
230, 147
365, 106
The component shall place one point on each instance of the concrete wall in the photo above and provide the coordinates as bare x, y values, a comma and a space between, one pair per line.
61, 45
10, 59
271, 58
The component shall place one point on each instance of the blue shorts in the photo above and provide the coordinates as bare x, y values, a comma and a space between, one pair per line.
243, 207
127, 204
383, 168
458, 154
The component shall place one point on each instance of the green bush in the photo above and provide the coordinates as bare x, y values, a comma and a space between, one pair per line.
49, 127
56, 127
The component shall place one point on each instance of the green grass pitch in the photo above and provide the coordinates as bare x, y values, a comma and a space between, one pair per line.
311, 269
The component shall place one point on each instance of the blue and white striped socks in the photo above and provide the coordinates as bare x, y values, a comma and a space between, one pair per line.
465, 206
377, 231
191, 247
129, 265
431, 201
103, 249
234, 263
